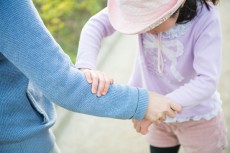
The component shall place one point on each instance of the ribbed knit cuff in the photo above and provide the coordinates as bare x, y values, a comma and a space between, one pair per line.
143, 100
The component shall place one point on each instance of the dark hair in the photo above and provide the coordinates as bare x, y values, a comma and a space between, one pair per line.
189, 10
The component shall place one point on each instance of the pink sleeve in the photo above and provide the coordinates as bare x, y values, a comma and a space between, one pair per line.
207, 63
91, 37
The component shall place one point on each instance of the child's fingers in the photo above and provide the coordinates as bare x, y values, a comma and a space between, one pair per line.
144, 130
138, 127
88, 76
95, 79
135, 124
101, 84
107, 84
100, 81
133, 121
141, 126
87, 73
145, 126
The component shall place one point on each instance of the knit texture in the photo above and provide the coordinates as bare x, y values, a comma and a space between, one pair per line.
34, 70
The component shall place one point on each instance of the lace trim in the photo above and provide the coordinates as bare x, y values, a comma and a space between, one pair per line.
208, 116
176, 31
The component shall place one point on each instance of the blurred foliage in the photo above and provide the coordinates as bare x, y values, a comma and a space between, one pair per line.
65, 19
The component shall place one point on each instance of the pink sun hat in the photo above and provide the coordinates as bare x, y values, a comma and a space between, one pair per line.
139, 16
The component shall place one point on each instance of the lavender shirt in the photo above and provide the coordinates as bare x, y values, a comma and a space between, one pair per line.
191, 61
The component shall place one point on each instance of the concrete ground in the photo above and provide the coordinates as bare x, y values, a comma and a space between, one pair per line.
77, 133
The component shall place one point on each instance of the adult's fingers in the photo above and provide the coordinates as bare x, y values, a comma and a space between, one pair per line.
162, 117
156, 122
176, 107
171, 113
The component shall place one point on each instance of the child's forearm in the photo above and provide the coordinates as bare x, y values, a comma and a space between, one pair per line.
97, 28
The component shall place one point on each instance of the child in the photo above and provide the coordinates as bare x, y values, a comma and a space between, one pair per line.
34, 72
179, 57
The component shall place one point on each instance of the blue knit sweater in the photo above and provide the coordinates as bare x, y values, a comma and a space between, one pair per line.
34, 70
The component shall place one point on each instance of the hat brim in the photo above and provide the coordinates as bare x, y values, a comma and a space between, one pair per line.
144, 23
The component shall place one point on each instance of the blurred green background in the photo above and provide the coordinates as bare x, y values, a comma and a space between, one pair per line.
65, 19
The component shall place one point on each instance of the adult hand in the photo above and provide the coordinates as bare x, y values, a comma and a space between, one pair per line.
159, 107
99, 80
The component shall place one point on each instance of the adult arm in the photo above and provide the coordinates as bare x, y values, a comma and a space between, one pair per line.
26, 43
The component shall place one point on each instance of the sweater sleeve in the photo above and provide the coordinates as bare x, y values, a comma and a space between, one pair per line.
26, 43
91, 37
207, 62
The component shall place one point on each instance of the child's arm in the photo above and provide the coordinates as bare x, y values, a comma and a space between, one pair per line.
142, 126
207, 63
97, 28
92, 34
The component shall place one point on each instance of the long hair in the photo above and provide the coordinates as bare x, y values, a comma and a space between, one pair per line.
189, 10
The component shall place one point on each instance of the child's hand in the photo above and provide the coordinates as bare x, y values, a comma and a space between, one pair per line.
142, 126
100, 81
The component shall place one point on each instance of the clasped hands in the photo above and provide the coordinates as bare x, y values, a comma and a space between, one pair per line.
159, 106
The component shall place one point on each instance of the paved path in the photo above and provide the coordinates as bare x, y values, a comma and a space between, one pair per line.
77, 133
